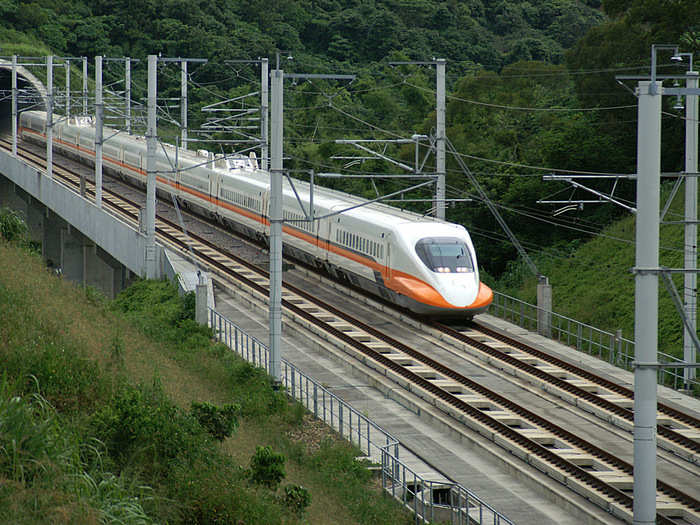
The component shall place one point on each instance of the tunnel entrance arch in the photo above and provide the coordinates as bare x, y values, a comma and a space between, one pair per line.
33, 93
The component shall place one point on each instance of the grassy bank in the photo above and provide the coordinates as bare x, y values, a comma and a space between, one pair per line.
97, 422
592, 281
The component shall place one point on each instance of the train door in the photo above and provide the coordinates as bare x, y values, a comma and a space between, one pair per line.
178, 177
214, 183
323, 238
265, 212
387, 252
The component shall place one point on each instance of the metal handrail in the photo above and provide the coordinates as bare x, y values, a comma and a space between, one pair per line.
430, 500
611, 347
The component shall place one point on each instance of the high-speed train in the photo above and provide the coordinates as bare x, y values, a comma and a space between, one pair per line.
420, 263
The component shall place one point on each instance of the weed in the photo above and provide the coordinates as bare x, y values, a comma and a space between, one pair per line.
116, 350
95, 297
12, 226
297, 499
219, 422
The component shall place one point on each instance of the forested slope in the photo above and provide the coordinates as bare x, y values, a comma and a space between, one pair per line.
531, 89
492, 33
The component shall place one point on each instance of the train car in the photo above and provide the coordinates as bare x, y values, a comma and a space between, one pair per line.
420, 263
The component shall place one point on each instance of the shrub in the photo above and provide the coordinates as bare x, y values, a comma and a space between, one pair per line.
216, 492
159, 312
297, 499
267, 467
219, 422
12, 226
41, 455
141, 424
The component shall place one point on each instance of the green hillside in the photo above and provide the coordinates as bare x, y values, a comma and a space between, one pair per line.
592, 281
119, 413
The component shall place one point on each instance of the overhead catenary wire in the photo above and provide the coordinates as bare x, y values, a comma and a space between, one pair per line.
396, 134
521, 108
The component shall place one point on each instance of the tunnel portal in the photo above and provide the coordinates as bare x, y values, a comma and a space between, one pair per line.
31, 94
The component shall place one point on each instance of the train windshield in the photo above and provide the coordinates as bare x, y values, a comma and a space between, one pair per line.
445, 254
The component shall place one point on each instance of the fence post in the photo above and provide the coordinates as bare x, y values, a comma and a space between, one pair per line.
293, 382
369, 449
613, 344
200, 301
522, 313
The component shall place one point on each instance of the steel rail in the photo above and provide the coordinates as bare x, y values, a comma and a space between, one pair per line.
579, 392
585, 374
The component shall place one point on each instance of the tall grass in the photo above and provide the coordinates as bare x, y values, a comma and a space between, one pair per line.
99, 398
43, 458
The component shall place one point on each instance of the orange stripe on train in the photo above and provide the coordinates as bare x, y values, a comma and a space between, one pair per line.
400, 282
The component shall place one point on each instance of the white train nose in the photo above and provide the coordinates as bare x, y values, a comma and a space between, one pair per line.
458, 291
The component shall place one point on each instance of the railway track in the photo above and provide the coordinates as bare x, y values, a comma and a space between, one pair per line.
588, 470
678, 432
